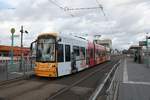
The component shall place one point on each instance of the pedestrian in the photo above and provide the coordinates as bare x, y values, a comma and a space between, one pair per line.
135, 57
139, 58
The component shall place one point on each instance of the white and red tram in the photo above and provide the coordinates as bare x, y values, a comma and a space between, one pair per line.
58, 55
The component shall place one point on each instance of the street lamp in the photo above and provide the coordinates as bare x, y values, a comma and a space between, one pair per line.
12, 43
147, 49
22, 31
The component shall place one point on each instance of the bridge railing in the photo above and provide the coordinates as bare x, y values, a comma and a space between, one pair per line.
108, 89
11, 71
112, 90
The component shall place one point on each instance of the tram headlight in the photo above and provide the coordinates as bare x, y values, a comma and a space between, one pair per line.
53, 66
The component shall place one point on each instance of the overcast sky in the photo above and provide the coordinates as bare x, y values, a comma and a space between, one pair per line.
126, 21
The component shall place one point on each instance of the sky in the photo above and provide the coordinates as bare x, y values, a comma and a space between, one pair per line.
125, 22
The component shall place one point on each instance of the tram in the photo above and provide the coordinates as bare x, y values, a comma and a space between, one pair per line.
58, 55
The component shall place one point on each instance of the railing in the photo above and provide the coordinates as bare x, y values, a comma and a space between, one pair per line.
112, 91
108, 89
11, 71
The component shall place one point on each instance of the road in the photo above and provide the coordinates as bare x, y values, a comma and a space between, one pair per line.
38, 88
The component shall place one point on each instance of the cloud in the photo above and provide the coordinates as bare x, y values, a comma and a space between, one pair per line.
124, 19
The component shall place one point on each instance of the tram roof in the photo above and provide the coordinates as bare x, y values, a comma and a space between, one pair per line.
63, 36
50, 33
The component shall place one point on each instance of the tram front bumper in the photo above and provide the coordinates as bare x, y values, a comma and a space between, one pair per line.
45, 73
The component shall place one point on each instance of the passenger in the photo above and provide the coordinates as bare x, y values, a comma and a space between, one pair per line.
135, 57
139, 58
73, 62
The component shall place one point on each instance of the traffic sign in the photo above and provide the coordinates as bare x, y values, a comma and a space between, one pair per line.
148, 42
12, 30
142, 43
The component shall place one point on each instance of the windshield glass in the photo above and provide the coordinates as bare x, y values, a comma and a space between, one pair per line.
46, 50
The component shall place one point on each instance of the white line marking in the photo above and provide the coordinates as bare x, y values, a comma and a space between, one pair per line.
140, 83
16, 73
125, 72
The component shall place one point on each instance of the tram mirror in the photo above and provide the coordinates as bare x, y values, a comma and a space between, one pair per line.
31, 46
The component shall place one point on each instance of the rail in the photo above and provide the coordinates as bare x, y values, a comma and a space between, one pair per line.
65, 89
76, 83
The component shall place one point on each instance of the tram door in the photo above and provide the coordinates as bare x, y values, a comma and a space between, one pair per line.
74, 58
64, 59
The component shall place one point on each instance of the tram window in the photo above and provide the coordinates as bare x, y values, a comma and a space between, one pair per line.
91, 53
82, 53
67, 52
76, 52
87, 53
96, 54
99, 53
60, 53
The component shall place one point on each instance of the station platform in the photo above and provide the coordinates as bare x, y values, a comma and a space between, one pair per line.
135, 83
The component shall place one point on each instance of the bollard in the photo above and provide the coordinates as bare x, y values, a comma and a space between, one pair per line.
6, 63
23, 67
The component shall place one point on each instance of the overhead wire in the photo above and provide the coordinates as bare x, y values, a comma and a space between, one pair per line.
88, 8
61, 7
66, 9
102, 8
106, 18
56, 4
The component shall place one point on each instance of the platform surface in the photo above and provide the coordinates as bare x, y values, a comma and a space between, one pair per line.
136, 81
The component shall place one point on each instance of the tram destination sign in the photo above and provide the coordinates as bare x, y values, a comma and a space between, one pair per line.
148, 42
142, 43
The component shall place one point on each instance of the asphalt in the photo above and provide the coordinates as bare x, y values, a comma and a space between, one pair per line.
135, 84
38, 88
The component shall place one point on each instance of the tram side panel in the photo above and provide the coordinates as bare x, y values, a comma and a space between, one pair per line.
71, 57
90, 53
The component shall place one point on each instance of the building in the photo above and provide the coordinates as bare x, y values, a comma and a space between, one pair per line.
105, 42
5, 51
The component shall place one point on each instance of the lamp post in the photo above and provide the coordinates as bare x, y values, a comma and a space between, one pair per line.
21, 63
147, 49
12, 43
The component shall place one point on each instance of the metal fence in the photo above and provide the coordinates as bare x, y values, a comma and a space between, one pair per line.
108, 89
11, 71
112, 91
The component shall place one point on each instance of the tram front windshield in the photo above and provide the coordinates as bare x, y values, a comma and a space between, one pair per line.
45, 50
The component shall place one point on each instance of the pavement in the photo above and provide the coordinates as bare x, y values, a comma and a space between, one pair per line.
135, 83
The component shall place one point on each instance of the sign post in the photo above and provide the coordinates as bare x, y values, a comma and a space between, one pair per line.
12, 43
148, 46
142, 43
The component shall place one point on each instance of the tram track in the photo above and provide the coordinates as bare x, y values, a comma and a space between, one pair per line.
65, 89
37, 88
